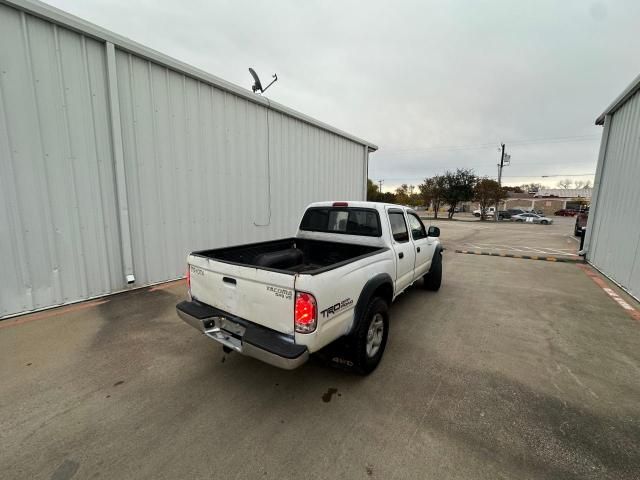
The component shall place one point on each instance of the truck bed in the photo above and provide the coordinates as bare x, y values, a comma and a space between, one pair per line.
292, 255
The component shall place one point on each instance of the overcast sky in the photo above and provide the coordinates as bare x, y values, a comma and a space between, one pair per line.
435, 84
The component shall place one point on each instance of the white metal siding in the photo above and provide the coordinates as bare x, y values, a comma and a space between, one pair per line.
198, 161
59, 233
614, 223
204, 165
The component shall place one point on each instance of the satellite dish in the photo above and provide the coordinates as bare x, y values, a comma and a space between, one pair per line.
257, 86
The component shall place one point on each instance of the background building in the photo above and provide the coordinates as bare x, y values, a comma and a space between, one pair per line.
116, 161
613, 232
548, 200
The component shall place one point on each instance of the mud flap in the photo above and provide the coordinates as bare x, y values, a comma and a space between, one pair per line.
339, 354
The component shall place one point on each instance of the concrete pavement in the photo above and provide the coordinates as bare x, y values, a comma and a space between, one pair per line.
514, 369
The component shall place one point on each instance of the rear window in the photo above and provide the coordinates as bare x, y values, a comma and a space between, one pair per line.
350, 221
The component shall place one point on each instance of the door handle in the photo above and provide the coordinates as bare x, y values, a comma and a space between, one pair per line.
418, 250
401, 255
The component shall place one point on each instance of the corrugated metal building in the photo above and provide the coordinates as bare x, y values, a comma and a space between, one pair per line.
613, 231
116, 161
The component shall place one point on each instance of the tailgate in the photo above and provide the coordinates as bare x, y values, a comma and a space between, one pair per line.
260, 296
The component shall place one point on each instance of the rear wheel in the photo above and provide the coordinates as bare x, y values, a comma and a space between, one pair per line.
371, 336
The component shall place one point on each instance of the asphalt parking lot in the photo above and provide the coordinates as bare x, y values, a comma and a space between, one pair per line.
515, 369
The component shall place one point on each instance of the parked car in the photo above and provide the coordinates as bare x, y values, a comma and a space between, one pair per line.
504, 215
531, 218
581, 222
488, 212
565, 212
282, 300
515, 211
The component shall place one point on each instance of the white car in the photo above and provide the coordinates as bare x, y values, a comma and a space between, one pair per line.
532, 218
282, 300
488, 212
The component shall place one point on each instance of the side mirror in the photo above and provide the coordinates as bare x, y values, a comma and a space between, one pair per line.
433, 232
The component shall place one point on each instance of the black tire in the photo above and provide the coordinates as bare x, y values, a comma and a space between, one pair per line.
519, 220
363, 362
544, 222
476, 214
433, 279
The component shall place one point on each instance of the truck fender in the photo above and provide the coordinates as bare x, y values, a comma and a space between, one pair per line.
367, 293
437, 255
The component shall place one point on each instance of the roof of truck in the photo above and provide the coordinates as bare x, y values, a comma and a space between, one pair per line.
357, 204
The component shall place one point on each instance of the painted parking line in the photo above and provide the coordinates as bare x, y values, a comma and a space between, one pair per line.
633, 312
545, 251
546, 258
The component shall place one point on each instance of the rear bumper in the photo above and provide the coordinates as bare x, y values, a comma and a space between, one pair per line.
244, 337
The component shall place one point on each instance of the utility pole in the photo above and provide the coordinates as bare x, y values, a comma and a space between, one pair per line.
501, 165
499, 179
380, 183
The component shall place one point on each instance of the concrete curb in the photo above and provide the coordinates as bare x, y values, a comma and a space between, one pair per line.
525, 257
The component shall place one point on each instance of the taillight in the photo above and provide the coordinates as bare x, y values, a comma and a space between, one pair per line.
188, 277
305, 313
340, 204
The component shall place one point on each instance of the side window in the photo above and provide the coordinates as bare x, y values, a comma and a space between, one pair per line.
398, 227
417, 227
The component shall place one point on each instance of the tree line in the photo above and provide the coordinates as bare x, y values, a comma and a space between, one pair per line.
449, 189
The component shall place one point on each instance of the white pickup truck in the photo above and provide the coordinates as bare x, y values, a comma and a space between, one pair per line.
488, 212
282, 300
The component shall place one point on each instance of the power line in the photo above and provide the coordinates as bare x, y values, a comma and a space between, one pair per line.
480, 146
420, 179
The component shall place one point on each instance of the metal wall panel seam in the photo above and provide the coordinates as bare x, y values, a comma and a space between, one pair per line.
117, 149
136, 173
43, 190
97, 64
105, 266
